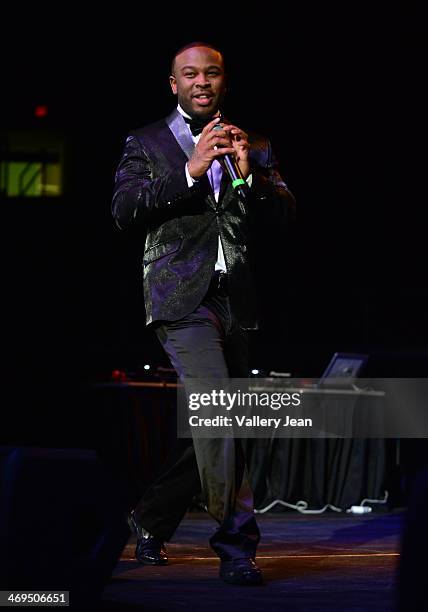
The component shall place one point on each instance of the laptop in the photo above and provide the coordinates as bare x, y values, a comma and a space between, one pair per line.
342, 370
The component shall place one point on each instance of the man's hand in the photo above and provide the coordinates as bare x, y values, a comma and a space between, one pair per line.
212, 144
241, 147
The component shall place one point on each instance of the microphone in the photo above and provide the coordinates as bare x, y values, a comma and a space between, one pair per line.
239, 184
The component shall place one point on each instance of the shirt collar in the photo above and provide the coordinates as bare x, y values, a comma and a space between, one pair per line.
182, 112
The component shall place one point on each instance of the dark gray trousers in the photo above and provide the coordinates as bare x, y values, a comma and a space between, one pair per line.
208, 344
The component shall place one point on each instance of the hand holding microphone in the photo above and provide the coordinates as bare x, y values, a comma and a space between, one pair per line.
237, 165
215, 143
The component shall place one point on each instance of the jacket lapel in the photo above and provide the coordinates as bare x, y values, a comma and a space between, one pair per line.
178, 127
181, 133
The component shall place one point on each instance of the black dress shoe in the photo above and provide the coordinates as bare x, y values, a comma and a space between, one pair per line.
241, 571
149, 550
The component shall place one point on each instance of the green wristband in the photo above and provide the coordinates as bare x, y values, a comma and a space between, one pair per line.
237, 182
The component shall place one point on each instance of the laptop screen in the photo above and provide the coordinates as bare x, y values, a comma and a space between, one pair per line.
342, 370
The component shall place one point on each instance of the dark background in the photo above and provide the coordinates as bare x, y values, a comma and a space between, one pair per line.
340, 93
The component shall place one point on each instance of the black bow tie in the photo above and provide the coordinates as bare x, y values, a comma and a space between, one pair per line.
196, 125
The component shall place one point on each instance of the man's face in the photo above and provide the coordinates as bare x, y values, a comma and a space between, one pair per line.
199, 81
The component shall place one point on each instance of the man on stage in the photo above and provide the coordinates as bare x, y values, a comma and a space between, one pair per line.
200, 240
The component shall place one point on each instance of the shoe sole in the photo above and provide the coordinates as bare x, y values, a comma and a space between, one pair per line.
152, 562
256, 581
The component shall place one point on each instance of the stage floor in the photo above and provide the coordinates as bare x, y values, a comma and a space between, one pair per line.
326, 562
